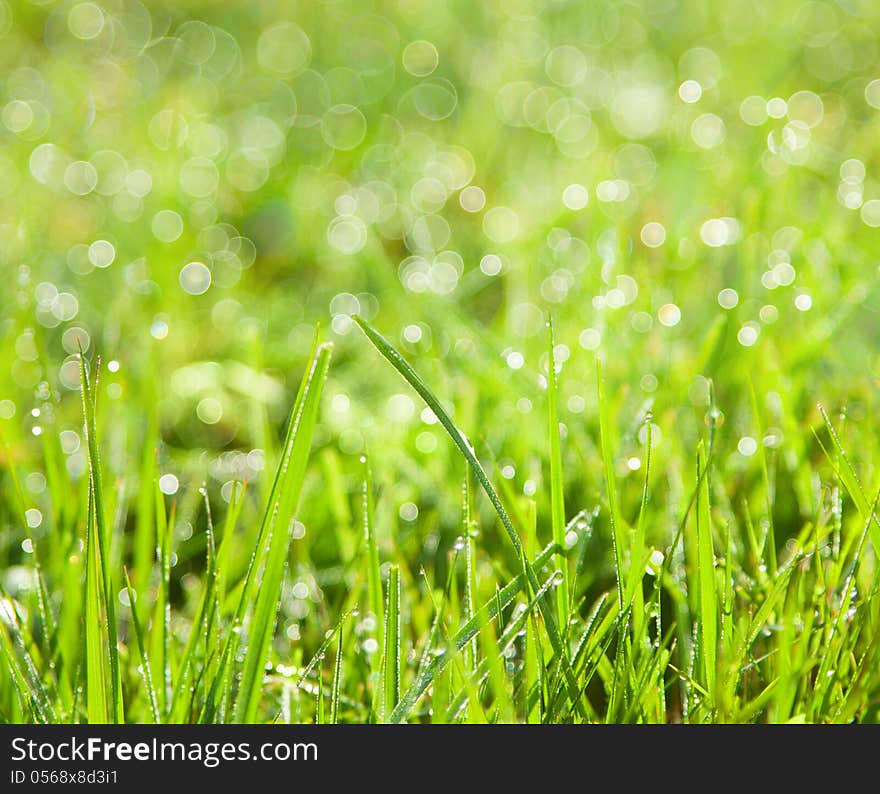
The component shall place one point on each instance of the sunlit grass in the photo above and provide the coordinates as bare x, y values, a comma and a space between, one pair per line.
597, 440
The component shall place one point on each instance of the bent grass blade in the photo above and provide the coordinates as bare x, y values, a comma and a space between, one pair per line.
547, 609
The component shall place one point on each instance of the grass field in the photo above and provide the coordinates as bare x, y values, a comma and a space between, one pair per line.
439, 362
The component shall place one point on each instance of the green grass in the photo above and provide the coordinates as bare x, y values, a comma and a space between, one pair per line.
598, 439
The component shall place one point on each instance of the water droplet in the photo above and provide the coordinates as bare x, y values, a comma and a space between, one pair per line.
714, 417
655, 562
195, 278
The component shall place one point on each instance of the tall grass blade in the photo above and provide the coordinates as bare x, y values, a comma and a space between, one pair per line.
281, 496
142, 653
276, 534
470, 550
374, 583
765, 473
825, 676
634, 592
849, 478
99, 677
467, 450
708, 601
103, 696
557, 491
618, 537
205, 622
337, 678
391, 657
161, 623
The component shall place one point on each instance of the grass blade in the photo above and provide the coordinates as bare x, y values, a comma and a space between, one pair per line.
634, 593
142, 652
319, 655
557, 492
160, 632
374, 582
337, 678
825, 676
103, 698
99, 678
391, 657
463, 636
850, 479
708, 601
492, 662
26, 681
617, 534
219, 691
765, 473
205, 621
277, 522
467, 450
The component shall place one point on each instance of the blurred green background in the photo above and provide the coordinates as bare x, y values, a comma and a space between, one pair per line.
690, 190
